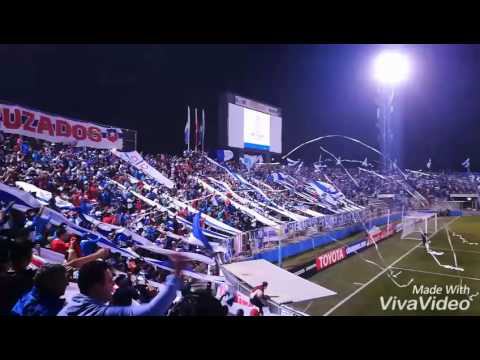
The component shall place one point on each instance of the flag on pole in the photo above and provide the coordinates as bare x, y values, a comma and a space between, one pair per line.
224, 155
466, 163
197, 231
249, 160
299, 167
202, 129
186, 132
196, 130
429, 163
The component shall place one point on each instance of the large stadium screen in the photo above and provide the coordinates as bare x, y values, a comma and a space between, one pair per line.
251, 129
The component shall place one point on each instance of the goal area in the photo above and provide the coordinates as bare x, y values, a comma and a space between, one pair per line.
415, 224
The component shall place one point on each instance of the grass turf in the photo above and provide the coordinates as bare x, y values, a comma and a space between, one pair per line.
360, 285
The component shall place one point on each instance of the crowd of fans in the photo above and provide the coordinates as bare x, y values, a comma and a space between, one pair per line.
100, 185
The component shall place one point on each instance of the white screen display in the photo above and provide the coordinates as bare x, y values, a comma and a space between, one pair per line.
256, 130
251, 129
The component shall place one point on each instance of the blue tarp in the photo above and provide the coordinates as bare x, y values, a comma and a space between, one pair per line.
455, 213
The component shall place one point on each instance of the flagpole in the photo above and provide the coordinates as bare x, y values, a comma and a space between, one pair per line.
188, 120
196, 129
203, 130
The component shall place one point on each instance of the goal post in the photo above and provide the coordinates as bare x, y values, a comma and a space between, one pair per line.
416, 223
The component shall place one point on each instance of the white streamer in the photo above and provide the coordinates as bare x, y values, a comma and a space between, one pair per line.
337, 159
373, 172
434, 255
464, 241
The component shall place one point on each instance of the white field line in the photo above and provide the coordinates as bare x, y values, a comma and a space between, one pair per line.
435, 273
340, 303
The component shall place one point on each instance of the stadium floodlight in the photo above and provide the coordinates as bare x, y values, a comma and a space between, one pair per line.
391, 68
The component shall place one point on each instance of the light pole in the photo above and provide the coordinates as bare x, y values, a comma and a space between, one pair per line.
390, 70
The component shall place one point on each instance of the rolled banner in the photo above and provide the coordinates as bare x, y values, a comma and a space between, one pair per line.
188, 255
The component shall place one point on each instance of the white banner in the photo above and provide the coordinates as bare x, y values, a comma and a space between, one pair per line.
43, 195
135, 159
22, 121
239, 206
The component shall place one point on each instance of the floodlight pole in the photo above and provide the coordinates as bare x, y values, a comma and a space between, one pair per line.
385, 109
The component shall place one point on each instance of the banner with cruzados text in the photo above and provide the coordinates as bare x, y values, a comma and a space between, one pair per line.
136, 160
15, 119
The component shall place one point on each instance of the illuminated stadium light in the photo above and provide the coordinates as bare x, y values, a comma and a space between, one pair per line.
391, 68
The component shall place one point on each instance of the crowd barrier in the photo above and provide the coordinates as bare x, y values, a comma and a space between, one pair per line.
320, 240
261, 237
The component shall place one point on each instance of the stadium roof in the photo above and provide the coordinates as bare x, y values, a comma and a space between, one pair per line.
283, 286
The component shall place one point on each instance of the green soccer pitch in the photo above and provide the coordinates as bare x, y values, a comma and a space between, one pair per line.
401, 278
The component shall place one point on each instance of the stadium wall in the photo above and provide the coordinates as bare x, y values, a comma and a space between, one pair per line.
317, 241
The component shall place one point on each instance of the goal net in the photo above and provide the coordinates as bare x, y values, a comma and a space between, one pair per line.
416, 223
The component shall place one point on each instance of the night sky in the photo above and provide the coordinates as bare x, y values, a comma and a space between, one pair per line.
322, 89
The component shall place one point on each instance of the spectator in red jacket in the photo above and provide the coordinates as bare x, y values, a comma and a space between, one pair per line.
92, 192
108, 218
60, 243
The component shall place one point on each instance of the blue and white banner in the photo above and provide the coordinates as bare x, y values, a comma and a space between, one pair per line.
8, 194
44, 195
136, 160
224, 155
292, 163
250, 160
209, 220
328, 188
245, 209
194, 275
51, 257
57, 218
189, 255
197, 232
240, 178
326, 194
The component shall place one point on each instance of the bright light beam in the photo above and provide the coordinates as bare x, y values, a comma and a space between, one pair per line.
391, 68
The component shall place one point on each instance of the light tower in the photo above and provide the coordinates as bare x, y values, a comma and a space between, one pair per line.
390, 70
